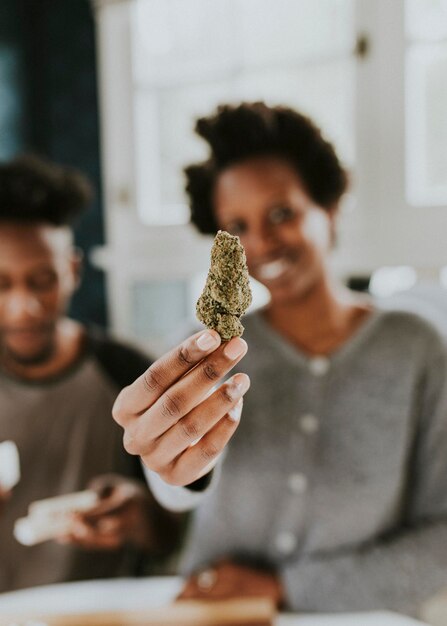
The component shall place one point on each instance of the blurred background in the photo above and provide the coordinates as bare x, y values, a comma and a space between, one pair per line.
113, 87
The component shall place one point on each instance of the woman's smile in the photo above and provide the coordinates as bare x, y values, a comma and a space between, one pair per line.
275, 270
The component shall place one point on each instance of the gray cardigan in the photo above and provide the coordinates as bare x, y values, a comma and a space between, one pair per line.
337, 474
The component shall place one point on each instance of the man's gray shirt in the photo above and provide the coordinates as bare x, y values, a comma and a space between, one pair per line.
337, 474
66, 436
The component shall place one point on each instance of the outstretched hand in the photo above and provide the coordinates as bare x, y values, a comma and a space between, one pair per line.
171, 415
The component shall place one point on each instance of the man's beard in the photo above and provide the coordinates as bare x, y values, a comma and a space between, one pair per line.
24, 360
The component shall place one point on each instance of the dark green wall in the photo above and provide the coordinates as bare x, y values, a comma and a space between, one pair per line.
48, 71
12, 115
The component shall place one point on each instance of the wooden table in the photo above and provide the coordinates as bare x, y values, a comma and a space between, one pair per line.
124, 594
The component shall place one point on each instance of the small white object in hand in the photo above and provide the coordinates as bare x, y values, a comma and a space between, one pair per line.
9, 465
52, 517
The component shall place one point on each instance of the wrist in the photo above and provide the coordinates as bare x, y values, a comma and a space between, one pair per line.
201, 483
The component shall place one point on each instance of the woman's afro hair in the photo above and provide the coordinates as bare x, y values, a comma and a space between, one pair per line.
250, 130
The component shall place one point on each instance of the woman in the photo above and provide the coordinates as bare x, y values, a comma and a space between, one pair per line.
332, 495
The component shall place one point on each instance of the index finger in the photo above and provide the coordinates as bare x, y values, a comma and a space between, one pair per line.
114, 503
105, 508
145, 390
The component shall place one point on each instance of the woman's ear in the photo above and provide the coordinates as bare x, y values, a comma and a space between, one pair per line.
333, 212
77, 264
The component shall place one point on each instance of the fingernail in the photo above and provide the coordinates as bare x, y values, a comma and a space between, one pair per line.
238, 385
235, 413
235, 348
207, 340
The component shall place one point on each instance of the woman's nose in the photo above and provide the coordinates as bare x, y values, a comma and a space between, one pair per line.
260, 243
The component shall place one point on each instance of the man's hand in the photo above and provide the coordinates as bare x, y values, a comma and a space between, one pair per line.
226, 580
4, 496
121, 517
172, 417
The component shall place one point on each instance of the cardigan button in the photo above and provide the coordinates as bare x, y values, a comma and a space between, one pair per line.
319, 365
297, 483
309, 424
285, 542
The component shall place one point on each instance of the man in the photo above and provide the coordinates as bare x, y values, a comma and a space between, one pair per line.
58, 382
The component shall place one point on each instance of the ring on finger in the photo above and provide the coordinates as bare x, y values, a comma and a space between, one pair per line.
206, 579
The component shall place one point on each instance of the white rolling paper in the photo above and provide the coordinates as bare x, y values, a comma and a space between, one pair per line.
9, 465
51, 517
60, 505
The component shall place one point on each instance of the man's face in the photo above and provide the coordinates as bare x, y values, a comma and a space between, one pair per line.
38, 274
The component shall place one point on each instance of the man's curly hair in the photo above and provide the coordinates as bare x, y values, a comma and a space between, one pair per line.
35, 190
250, 130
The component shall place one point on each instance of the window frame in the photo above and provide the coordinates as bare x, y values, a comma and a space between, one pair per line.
377, 227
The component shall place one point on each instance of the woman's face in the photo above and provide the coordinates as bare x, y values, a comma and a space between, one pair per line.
286, 236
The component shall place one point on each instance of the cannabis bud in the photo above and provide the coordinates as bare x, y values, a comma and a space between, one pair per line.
226, 295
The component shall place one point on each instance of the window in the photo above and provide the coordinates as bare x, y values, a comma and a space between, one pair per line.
426, 102
189, 57
370, 72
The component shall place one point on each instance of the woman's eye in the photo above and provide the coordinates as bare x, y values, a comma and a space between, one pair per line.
5, 284
280, 214
43, 281
236, 228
